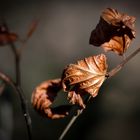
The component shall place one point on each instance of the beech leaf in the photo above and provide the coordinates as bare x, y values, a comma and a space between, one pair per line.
113, 29
43, 97
86, 76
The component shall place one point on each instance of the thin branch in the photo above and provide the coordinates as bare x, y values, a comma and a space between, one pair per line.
17, 86
19, 91
17, 63
108, 75
73, 119
121, 65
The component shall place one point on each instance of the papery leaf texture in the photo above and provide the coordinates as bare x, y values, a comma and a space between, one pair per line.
113, 29
84, 77
43, 97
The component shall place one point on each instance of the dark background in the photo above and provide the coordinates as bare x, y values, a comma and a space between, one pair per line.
62, 38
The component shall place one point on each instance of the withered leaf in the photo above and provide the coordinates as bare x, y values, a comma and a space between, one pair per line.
117, 44
32, 29
43, 97
112, 25
86, 76
6, 37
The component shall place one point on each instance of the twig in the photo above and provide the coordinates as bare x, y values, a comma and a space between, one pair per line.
17, 63
120, 66
24, 107
17, 86
73, 119
79, 112
108, 75
19, 91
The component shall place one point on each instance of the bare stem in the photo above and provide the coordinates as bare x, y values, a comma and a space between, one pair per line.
19, 91
17, 63
121, 65
108, 75
17, 84
73, 119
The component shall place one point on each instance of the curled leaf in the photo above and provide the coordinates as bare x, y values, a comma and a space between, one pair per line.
43, 97
86, 76
6, 37
111, 27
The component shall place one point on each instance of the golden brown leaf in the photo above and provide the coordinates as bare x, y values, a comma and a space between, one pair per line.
112, 16
86, 76
117, 44
43, 97
111, 27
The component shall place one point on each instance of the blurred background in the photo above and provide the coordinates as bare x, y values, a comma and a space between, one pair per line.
62, 38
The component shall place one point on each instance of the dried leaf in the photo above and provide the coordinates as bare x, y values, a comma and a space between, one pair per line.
111, 27
32, 29
86, 76
117, 44
6, 37
43, 97
76, 98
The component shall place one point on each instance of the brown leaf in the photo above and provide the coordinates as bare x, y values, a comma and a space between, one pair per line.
6, 37
76, 98
117, 44
112, 25
86, 76
43, 97
32, 29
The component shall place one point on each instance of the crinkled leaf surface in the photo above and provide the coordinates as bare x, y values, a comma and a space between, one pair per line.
113, 29
86, 76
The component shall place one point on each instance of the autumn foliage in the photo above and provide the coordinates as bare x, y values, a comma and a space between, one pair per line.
114, 32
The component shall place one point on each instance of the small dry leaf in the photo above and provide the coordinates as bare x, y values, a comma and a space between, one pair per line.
86, 76
113, 29
43, 97
32, 29
6, 37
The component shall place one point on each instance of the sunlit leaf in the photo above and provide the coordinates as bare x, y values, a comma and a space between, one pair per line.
84, 77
